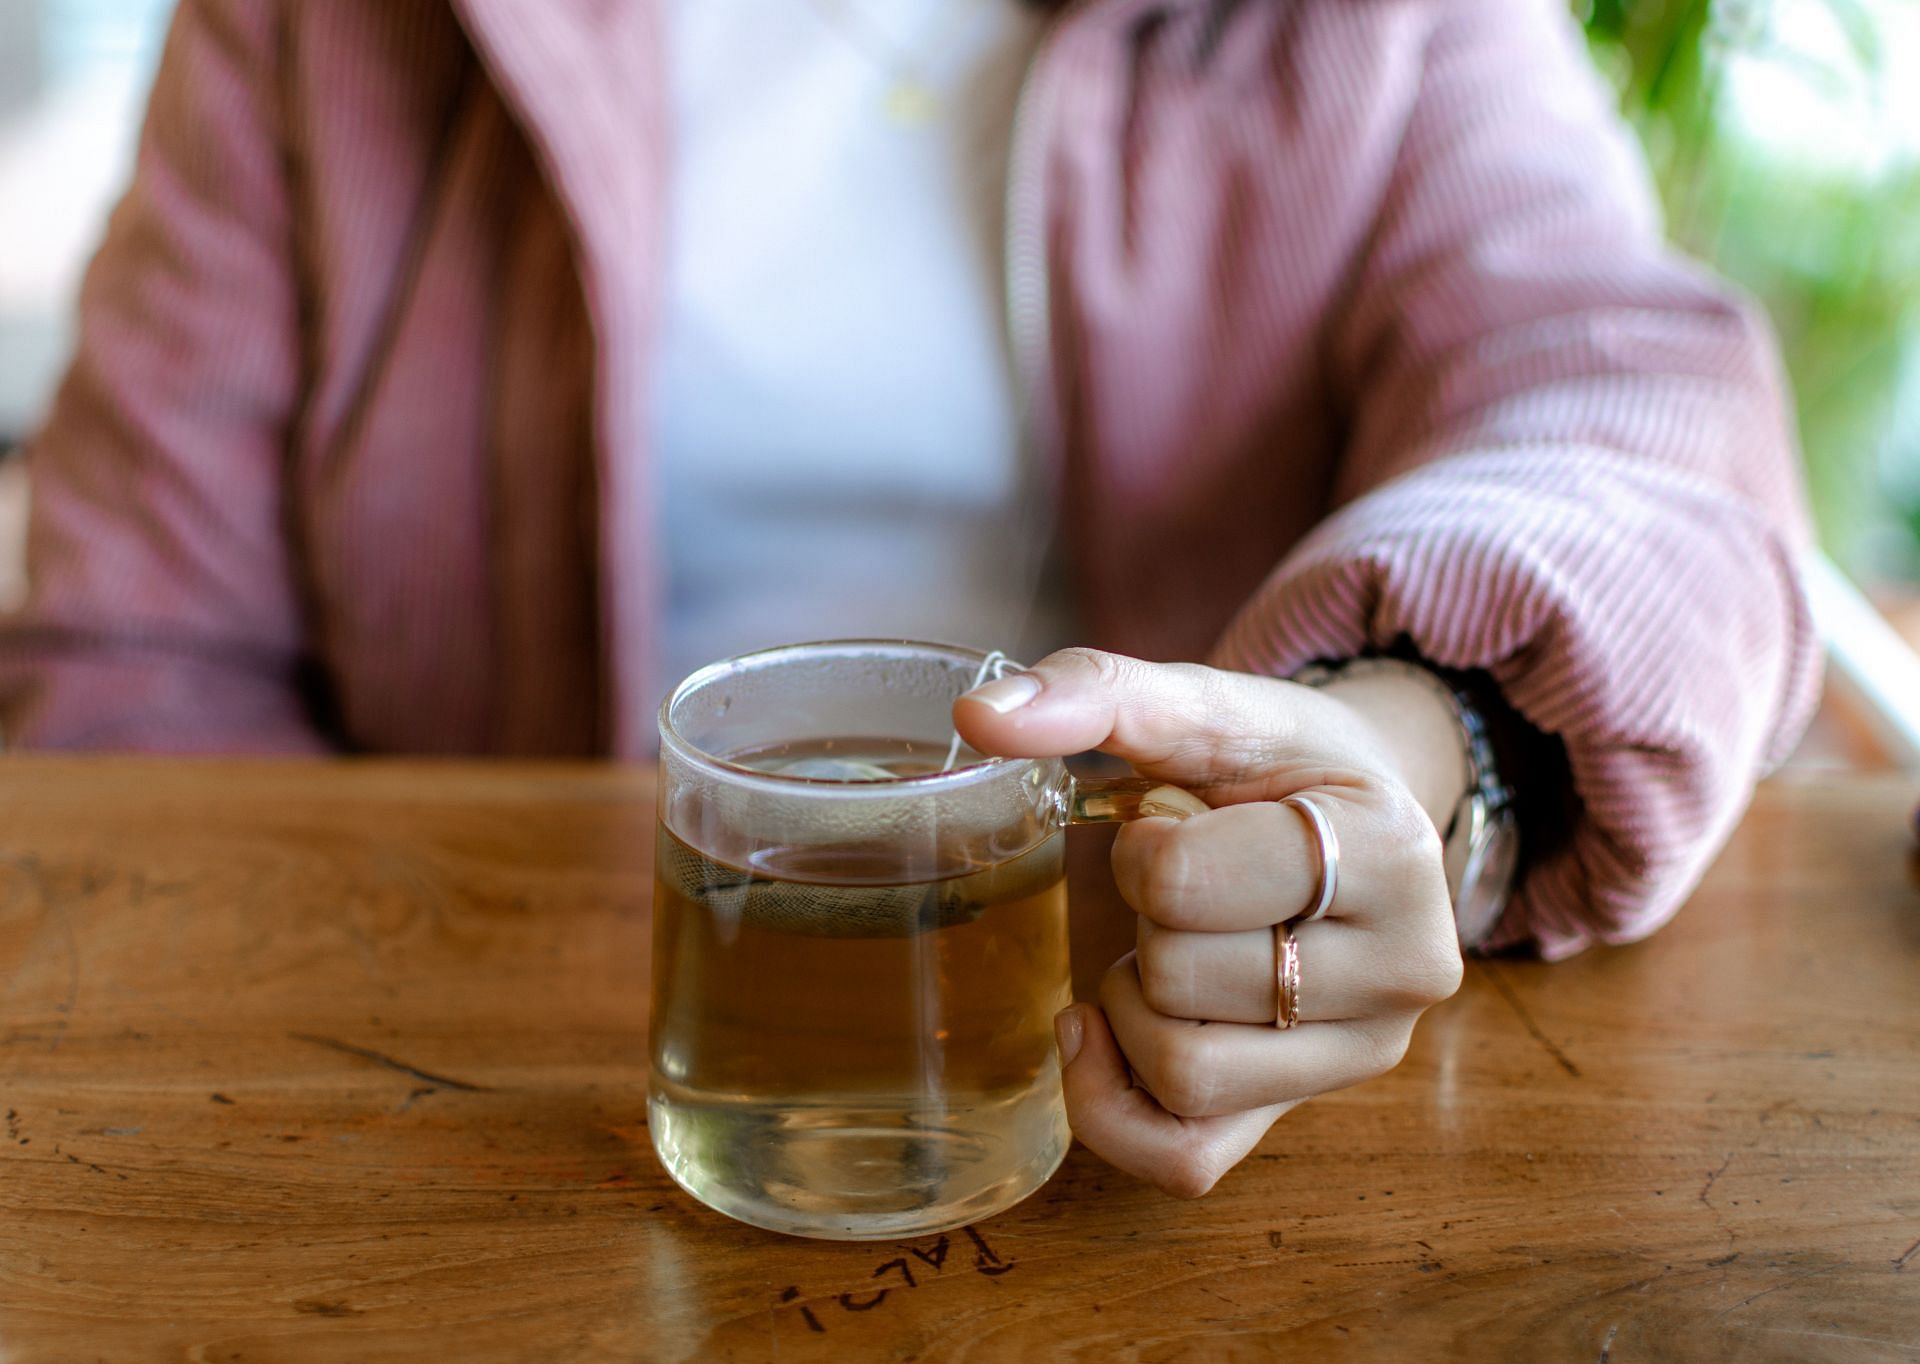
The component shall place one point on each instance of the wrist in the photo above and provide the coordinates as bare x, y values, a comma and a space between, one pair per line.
1417, 732
1414, 713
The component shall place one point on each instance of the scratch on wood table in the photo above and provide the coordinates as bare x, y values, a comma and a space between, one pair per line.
391, 1063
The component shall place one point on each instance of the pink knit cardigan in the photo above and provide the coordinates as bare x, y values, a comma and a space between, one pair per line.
1346, 322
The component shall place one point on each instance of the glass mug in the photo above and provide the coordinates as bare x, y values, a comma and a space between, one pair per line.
857, 953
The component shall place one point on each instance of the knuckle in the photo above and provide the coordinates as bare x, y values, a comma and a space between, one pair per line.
1186, 1074
1446, 970
1415, 848
1107, 669
1386, 1048
1192, 1172
1429, 973
1165, 978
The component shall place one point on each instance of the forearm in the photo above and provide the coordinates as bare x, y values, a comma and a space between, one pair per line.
116, 694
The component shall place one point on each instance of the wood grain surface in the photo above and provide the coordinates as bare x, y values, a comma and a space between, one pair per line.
316, 1062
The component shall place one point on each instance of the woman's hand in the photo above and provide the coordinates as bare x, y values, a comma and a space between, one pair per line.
1181, 1070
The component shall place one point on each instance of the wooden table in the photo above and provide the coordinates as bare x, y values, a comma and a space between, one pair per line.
347, 1062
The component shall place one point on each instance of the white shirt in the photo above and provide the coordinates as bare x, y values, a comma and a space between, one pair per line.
835, 417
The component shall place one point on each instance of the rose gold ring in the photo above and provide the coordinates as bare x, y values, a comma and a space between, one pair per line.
1287, 961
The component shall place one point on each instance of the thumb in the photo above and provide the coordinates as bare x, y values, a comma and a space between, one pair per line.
1182, 721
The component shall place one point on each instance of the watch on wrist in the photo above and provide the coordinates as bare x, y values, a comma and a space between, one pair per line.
1481, 842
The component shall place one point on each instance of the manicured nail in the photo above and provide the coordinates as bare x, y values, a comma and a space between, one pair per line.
1008, 694
1069, 1029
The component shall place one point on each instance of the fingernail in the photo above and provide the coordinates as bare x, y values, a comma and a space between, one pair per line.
1068, 1031
1008, 694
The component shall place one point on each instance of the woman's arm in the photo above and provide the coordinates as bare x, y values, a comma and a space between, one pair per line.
162, 612
1571, 468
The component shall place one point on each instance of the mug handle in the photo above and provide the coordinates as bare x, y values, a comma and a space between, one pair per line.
1118, 799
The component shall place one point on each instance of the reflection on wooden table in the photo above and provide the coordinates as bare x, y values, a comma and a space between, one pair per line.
348, 1062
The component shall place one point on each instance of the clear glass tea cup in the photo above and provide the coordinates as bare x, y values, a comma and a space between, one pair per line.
859, 946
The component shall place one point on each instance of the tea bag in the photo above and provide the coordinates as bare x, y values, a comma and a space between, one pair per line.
831, 769
812, 910
834, 911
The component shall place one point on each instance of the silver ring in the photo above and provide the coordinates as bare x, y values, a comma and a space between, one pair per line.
1329, 847
1287, 975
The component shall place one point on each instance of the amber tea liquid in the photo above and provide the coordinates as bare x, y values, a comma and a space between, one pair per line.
841, 1050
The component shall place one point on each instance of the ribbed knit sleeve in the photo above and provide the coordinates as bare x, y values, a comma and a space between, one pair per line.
1570, 467
162, 613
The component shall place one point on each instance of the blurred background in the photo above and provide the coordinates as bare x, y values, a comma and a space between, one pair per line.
1784, 134
73, 79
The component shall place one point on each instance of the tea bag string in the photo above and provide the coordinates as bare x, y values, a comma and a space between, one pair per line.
995, 665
